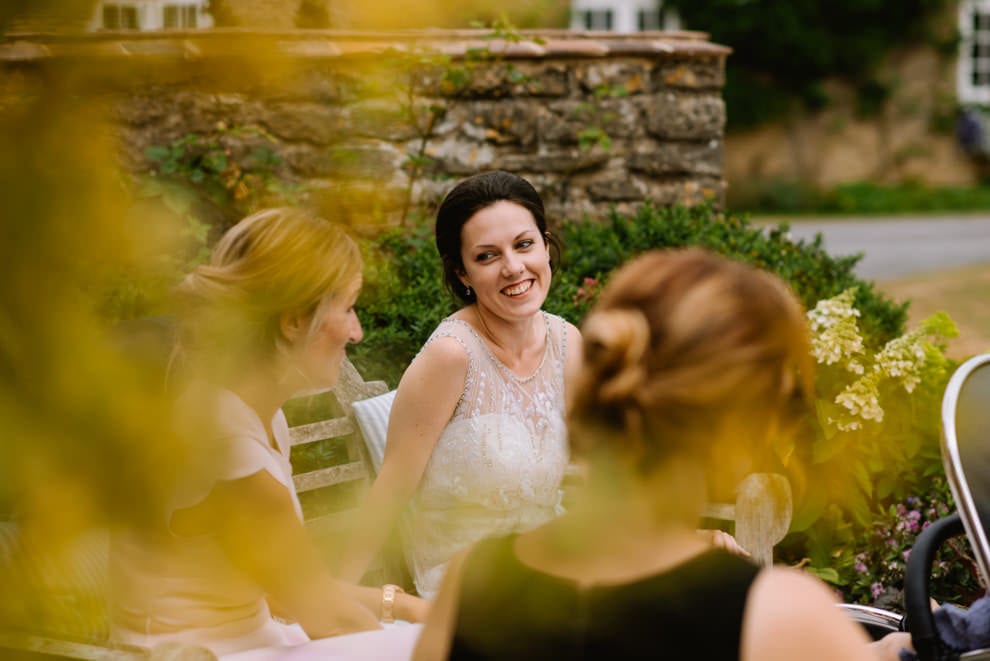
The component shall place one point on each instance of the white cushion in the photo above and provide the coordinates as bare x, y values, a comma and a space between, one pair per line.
372, 419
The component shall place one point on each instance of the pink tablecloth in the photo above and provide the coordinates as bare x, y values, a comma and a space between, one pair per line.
394, 643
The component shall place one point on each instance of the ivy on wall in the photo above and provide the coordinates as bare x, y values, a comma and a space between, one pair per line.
783, 50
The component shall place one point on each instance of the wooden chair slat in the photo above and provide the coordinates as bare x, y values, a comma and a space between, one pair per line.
325, 477
61, 647
352, 387
720, 511
317, 431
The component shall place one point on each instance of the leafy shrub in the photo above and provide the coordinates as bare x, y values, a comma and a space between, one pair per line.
874, 448
868, 562
174, 241
870, 198
233, 170
197, 186
404, 299
782, 196
845, 478
594, 249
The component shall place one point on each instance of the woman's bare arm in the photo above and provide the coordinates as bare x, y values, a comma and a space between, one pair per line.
791, 615
256, 524
424, 403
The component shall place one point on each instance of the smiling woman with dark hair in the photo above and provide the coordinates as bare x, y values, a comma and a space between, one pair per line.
476, 439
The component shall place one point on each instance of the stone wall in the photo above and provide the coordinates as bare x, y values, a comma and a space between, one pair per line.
912, 138
369, 123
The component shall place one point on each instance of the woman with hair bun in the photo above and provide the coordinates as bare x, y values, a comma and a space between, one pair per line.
693, 365
270, 315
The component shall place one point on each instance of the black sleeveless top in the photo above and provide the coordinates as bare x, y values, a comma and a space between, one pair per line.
511, 612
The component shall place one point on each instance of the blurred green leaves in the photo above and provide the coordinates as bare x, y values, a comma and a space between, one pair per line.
784, 49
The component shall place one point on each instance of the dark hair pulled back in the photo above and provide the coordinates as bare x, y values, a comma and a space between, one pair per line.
468, 198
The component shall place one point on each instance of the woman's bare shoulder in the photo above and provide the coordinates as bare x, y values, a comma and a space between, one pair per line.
791, 614
434, 380
442, 352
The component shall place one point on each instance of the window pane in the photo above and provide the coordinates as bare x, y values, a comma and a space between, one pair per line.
191, 14
170, 16
649, 19
599, 19
111, 17
129, 18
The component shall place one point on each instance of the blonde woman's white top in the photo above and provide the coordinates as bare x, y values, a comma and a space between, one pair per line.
172, 587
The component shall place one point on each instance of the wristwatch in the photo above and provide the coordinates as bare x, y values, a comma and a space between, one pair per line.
388, 602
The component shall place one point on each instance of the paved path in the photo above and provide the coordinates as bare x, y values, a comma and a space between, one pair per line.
895, 247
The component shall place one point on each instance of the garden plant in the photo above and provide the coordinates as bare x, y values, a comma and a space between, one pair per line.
866, 469
866, 472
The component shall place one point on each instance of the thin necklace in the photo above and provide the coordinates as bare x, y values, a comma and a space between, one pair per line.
488, 332
485, 329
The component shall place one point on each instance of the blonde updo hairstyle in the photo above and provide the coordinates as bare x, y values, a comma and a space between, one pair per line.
273, 262
686, 354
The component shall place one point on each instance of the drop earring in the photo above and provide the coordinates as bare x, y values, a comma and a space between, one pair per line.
467, 290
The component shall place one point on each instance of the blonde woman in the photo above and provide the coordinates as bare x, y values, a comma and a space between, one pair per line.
694, 364
270, 314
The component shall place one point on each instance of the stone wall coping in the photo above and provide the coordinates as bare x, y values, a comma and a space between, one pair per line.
316, 44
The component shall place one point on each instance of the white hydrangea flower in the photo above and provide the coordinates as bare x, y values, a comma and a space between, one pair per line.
835, 336
862, 399
904, 358
846, 425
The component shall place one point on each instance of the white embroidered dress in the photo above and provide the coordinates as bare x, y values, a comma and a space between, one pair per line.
498, 463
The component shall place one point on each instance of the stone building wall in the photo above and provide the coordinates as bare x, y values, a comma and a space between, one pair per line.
369, 124
910, 139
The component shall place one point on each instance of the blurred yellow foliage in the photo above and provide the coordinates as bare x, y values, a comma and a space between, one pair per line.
86, 435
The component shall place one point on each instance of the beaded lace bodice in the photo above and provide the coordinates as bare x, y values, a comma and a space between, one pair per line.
498, 463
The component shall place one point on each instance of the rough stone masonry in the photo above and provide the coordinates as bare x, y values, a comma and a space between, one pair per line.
374, 125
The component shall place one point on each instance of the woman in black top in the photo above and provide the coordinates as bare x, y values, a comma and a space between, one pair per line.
694, 364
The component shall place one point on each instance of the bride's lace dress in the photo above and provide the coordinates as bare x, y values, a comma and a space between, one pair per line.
498, 464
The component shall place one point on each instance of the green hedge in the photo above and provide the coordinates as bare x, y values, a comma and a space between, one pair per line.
404, 299
849, 485
784, 196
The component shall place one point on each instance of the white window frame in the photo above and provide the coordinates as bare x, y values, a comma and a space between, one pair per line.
151, 13
186, 13
119, 8
625, 14
973, 69
602, 19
